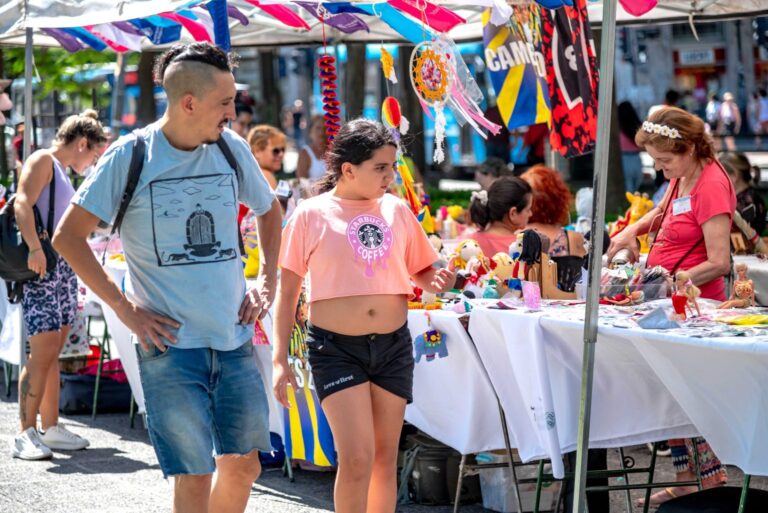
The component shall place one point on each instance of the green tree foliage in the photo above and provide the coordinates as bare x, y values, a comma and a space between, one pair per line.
55, 68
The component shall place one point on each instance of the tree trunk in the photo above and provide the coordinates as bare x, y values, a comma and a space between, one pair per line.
147, 109
271, 101
615, 201
354, 78
411, 109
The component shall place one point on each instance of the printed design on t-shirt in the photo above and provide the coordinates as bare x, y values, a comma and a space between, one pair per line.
191, 219
371, 240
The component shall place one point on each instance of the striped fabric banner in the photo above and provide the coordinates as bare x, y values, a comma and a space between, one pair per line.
516, 65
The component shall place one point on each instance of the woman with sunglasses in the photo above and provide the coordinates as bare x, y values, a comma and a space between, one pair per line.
692, 224
268, 146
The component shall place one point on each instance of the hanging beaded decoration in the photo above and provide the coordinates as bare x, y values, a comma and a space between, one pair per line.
431, 79
331, 104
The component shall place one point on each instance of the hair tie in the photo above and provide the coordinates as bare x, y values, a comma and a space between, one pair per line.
689, 283
481, 196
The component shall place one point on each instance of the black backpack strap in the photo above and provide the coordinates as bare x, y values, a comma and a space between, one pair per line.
51, 200
232, 161
134, 173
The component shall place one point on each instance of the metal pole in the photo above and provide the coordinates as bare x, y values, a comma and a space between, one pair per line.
605, 98
28, 66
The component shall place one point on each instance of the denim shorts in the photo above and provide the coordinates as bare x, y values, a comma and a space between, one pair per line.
203, 403
51, 302
343, 361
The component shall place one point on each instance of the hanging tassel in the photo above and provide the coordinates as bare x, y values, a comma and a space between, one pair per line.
331, 104
440, 122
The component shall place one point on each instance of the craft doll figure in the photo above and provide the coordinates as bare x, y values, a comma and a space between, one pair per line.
742, 292
465, 251
633, 298
685, 296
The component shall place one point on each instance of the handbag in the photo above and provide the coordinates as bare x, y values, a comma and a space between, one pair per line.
14, 252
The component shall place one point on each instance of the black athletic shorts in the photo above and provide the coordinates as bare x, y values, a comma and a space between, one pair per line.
342, 361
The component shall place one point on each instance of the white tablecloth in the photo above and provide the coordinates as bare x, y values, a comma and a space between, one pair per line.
722, 385
534, 362
452, 396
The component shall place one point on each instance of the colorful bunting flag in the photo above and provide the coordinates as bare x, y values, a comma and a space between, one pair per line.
196, 30
343, 22
86, 37
410, 30
159, 30
572, 77
220, 18
435, 16
281, 13
117, 39
515, 61
67, 41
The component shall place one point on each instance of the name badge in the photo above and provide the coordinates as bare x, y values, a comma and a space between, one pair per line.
681, 205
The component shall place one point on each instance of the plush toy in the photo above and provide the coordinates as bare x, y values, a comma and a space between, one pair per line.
502, 270
464, 252
437, 243
639, 205
431, 343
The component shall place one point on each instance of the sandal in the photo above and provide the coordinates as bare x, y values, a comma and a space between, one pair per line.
667, 494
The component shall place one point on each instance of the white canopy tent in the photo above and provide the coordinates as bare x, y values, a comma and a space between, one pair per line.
19, 18
264, 30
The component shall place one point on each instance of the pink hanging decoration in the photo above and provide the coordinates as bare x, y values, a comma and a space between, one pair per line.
435, 16
197, 30
331, 104
281, 13
638, 7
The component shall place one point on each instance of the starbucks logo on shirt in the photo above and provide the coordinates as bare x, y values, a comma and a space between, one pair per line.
371, 240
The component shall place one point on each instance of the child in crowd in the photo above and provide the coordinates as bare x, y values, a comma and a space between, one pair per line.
499, 213
360, 248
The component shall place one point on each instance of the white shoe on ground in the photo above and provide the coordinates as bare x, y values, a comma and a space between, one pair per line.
28, 446
60, 438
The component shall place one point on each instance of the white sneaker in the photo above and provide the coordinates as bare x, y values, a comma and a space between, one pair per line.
28, 446
60, 438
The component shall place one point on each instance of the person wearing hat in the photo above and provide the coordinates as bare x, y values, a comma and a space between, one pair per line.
730, 121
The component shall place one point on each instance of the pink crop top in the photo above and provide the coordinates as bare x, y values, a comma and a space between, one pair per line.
355, 247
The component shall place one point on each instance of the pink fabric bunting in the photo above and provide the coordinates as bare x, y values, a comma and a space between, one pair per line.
112, 44
638, 7
116, 37
197, 30
436, 17
281, 13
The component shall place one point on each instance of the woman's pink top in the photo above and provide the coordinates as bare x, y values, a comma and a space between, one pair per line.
712, 195
355, 247
492, 243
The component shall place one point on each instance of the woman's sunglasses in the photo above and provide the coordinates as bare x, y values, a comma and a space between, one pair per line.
277, 151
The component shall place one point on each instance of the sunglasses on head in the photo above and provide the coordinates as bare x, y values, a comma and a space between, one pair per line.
277, 151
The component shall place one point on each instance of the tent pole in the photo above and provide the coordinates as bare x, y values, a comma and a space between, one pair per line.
600, 181
28, 105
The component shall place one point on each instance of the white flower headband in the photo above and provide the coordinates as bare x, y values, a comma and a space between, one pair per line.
664, 130
481, 196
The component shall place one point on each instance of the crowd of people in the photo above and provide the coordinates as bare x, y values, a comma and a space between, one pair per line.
359, 248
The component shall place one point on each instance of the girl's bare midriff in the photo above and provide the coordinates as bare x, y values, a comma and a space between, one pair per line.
360, 315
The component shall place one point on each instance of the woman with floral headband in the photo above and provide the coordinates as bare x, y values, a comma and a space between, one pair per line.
691, 224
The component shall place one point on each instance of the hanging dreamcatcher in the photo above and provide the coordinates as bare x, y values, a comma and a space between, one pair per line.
431, 79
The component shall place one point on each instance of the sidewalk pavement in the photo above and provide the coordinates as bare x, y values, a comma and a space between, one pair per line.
119, 474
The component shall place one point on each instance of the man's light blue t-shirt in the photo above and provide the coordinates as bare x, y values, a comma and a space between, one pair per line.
180, 232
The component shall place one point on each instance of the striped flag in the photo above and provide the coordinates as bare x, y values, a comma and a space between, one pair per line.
516, 65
